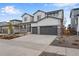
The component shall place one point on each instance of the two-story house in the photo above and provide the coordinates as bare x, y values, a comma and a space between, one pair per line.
74, 15
47, 23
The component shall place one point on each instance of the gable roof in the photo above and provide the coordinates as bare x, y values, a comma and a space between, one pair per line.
39, 11
73, 10
50, 17
4, 23
26, 14
50, 12
47, 17
16, 20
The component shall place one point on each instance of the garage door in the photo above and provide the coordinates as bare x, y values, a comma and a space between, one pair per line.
34, 30
48, 30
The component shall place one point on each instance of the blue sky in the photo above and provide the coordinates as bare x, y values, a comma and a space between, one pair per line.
9, 11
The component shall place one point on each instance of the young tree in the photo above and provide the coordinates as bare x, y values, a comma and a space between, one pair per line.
70, 29
10, 28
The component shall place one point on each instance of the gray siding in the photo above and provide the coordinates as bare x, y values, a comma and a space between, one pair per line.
34, 30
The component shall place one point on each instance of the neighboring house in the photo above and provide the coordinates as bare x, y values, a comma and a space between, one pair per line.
3, 27
16, 25
49, 23
74, 15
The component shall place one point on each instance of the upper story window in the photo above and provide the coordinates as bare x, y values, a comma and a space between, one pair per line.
56, 14
53, 14
49, 15
39, 17
32, 19
25, 18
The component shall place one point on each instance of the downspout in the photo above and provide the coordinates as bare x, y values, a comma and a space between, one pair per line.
78, 27
61, 34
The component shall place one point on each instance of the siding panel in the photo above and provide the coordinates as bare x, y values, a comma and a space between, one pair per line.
48, 30
34, 30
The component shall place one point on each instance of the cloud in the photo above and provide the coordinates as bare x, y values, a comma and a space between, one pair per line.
10, 10
61, 5
46, 4
3, 14
64, 4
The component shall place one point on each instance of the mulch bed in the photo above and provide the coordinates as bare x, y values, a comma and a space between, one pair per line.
70, 42
49, 54
8, 37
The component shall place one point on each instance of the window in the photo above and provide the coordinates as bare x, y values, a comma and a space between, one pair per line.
39, 17
49, 14
24, 26
25, 19
52, 14
76, 21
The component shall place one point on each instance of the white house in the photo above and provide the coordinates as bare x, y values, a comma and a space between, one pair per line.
41, 22
74, 15
48, 23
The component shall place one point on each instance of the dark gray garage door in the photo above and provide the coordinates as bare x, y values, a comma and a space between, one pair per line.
48, 30
34, 30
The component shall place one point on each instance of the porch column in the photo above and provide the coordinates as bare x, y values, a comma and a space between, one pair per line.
38, 29
78, 27
2, 30
26, 27
19, 28
31, 29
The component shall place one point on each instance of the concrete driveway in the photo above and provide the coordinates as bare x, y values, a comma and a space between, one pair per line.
28, 45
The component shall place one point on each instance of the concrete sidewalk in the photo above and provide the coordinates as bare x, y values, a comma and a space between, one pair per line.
62, 50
